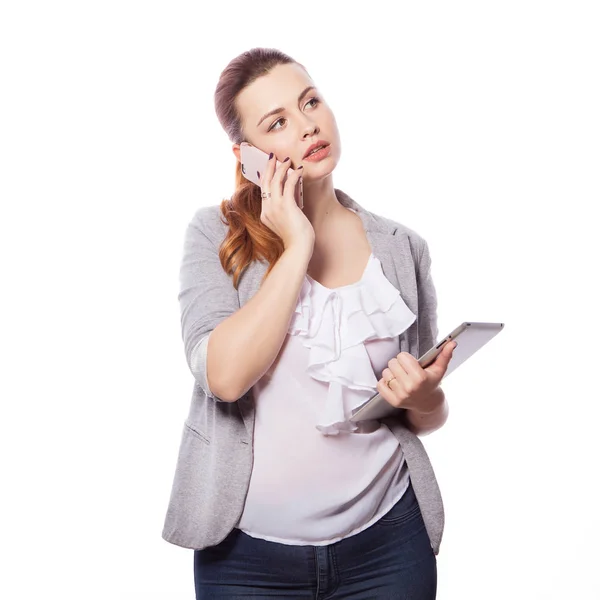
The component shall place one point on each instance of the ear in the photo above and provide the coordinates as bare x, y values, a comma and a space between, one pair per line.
236, 151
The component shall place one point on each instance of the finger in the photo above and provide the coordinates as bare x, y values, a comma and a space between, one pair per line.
439, 366
293, 175
411, 365
265, 178
445, 356
414, 376
280, 171
397, 381
451, 348
396, 368
265, 196
387, 394
387, 374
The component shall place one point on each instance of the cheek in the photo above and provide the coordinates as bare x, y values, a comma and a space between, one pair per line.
284, 148
333, 130
279, 149
331, 118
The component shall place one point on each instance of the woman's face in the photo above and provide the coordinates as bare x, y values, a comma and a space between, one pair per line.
302, 120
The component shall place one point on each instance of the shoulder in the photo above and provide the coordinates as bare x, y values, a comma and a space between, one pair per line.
208, 220
417, 242
378, 224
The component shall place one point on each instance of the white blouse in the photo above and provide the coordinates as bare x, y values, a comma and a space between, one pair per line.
317, 478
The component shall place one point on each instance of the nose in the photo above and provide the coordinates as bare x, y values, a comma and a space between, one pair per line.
310, 129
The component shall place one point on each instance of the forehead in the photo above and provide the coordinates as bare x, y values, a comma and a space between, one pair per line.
278, 88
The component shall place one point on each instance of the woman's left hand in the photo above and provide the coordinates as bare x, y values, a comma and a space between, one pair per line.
412, 386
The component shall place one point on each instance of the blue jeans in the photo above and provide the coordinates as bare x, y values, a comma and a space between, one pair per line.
390, 560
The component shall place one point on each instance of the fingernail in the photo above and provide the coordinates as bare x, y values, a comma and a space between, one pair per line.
288, 158
258, 173
270, 156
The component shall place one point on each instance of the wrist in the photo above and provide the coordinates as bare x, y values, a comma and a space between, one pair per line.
421, 422
301, 253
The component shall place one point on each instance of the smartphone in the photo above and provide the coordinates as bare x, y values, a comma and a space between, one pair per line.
255, 161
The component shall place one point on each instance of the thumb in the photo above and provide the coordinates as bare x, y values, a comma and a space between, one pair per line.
440, 364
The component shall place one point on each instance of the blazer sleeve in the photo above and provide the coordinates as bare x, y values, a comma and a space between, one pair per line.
427, 302
197, 365
206, 296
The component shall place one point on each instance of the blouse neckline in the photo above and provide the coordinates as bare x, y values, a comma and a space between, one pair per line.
334, 324
349, 285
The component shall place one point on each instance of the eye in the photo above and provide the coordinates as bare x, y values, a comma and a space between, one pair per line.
316, 102
273, 126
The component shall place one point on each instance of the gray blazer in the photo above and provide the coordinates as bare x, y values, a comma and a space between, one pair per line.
214, 464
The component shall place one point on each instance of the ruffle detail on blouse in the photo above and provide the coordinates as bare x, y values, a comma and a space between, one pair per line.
334, 324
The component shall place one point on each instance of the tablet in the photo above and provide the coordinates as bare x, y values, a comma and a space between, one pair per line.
469, 336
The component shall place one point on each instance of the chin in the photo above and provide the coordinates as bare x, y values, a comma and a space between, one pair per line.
322, 169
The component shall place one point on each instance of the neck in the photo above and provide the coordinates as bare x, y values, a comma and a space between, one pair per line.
320, 202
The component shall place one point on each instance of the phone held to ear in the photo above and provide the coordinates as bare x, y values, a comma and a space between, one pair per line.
255, 161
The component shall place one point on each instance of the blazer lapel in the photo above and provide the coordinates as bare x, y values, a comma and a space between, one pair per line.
394, 252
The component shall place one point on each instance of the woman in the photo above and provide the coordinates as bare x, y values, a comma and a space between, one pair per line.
291, 319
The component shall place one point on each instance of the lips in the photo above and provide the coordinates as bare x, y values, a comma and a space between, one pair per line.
315, 145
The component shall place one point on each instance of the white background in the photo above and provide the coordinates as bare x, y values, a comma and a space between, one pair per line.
474, 123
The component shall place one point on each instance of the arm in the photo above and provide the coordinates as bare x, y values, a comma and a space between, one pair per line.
229, 348
243, 347
425, 423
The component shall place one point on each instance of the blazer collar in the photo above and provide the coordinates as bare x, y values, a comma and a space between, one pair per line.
372, 223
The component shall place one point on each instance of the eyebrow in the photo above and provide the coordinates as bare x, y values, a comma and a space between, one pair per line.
278, 110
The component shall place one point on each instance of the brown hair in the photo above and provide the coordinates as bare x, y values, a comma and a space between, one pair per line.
248, 238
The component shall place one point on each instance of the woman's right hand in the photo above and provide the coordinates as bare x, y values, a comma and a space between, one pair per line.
280, 212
